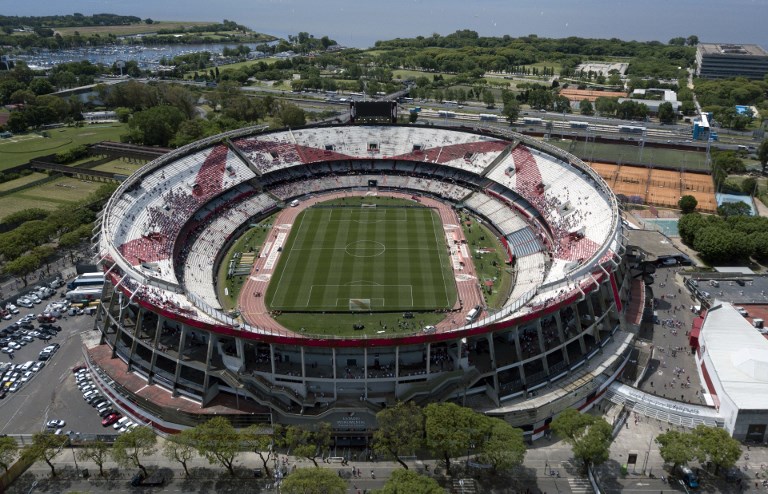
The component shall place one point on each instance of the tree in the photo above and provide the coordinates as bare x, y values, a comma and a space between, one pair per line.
155, 126
307, 442
218, 441
717, 446
762, 154
313, 481
131, 446
505, 447
406, 481
413, 116
451, 430
95, 451
586, 108
687, 204
749, 186
16, 122
180, 448
589, 436
676, 447
511, 110
45, 446
738, 208
401, 429
291, 115
666, 113
489, 99
23, 266
692, 40
9, 449
260, 439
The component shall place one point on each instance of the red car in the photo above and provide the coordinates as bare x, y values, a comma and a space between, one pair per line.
78, 368
46, 318
110, 419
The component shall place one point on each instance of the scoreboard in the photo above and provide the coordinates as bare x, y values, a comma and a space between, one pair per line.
372, 111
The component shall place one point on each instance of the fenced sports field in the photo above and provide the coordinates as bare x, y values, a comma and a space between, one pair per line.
361, 259
657, 187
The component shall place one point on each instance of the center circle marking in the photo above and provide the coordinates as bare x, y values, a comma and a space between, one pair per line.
365, 248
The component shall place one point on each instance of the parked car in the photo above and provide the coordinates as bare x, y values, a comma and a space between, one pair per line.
106, 411
55, 424
37, 366
78, 368
110, 419
25, 302
120, 423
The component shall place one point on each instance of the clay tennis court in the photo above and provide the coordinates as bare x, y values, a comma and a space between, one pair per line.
658, 187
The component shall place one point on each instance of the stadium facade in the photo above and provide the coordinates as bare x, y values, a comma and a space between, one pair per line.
168, 354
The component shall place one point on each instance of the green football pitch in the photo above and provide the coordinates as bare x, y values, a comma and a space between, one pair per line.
355, 258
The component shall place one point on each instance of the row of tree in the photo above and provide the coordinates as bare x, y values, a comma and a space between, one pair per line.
707, 445
729, 239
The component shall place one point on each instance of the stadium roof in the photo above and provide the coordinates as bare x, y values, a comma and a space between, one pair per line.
739, 356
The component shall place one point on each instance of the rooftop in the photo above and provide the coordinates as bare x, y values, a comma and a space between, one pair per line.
739, 355
731, 49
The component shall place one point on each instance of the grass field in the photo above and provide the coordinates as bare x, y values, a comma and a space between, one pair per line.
355, 259
21, 148
48, 196
630, 153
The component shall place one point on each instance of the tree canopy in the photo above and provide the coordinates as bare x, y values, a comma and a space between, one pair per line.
129, 447
589, 436
218, 441
687, 204
409, 482
400, 431
313, 481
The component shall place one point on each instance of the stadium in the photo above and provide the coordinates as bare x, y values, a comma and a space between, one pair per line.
169, 353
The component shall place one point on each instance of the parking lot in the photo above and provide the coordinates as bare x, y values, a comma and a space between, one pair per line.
51, 393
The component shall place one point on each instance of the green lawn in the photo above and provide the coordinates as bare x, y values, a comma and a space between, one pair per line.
21, 148
631, 153
12, 184
351, 259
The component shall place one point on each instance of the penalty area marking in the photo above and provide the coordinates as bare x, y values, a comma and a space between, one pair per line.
358, 284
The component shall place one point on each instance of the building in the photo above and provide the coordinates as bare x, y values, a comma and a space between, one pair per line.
169, 355
732, 359
664, 96
724, 60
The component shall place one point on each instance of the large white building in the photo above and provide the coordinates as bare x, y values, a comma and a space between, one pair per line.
723, 60
732, 359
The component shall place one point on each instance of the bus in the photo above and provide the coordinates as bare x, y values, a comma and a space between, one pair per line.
532, 121
86, 279
631, 129
82, 295
446, 114
579, 125
488, 117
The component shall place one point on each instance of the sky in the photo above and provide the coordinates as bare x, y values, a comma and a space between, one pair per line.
359, 23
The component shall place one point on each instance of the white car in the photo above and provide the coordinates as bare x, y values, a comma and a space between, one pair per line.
55, 424
25, 302
7, 350
12, 309
121, 423
27, 376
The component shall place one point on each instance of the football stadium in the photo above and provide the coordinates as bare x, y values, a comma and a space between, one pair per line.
362, 221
